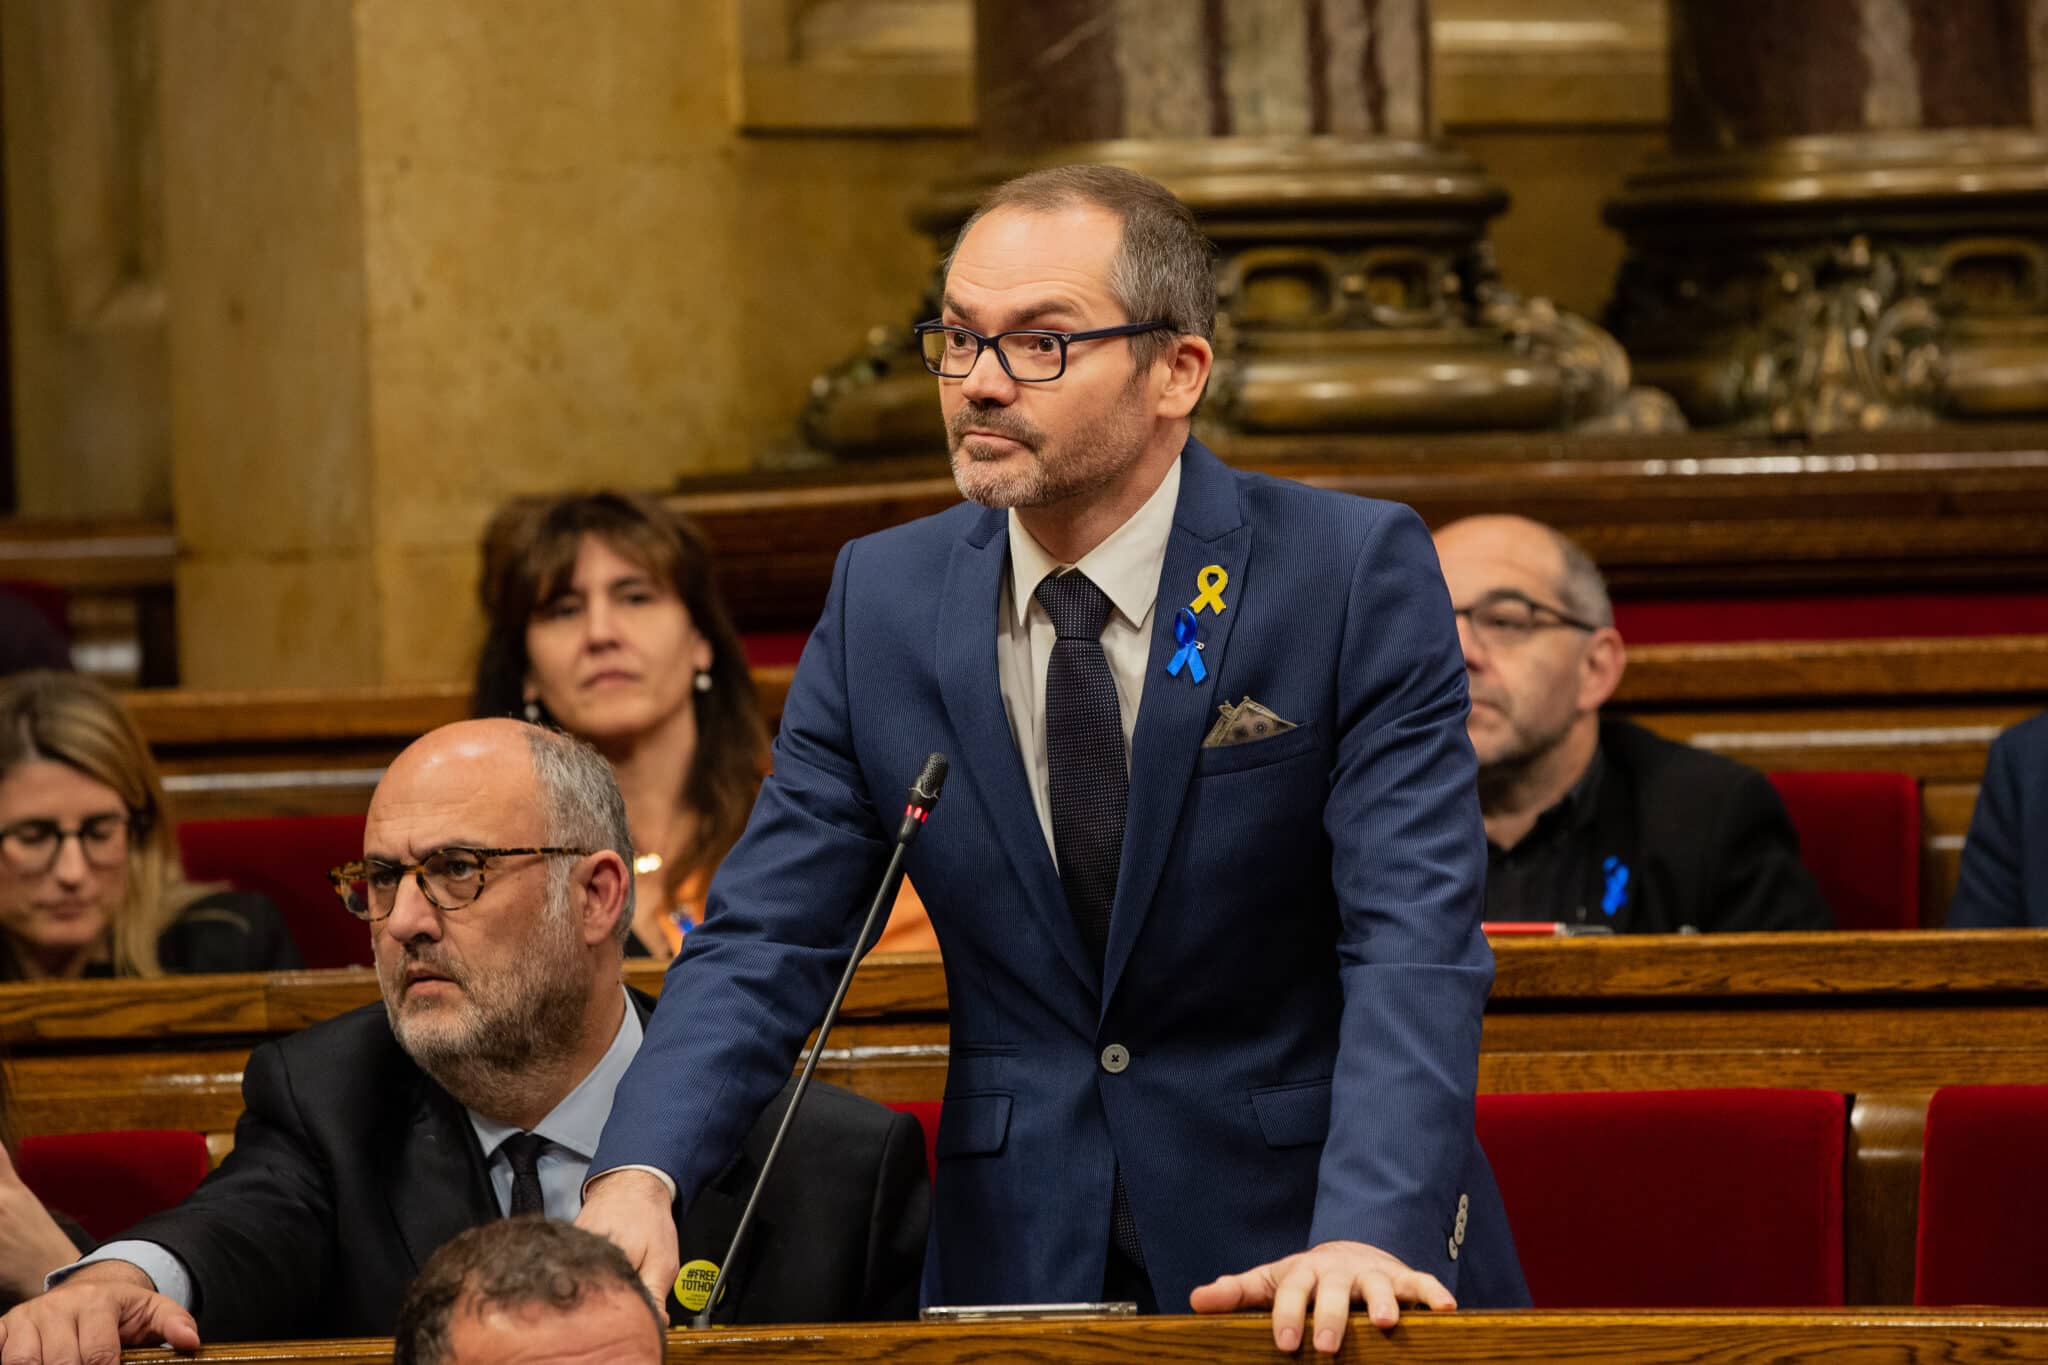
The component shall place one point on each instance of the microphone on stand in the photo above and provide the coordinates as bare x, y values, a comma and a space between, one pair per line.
924, 794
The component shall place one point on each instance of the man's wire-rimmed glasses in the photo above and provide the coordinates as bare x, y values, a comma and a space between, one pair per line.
449, 878
1029, 357
30, 848
1506, 619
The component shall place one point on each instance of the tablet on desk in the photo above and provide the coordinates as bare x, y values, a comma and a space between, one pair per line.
1026, 1312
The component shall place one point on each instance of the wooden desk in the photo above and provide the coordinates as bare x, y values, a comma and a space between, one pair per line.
1869, 1336
1929, 708
1887, 1018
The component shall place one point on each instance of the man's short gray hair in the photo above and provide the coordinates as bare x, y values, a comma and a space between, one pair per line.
584, 809
510, 1264
1164, 268
1581, 588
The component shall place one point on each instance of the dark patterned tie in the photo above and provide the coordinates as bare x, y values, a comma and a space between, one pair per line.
522, 1154
1088, 779
1090, 786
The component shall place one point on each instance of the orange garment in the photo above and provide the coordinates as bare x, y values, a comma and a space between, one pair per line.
909, 929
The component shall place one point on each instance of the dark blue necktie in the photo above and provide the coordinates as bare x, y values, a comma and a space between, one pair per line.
522, 1154
1088, 779
1089, 782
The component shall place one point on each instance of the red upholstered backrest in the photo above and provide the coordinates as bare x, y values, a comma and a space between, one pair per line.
774, 648
1831, 616
286, 858
1859, 834
111, 1181
49, 599
1984, 1197
926, 1112
1673, 1199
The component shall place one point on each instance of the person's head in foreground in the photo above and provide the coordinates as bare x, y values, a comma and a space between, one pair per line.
88, 865
605, 620
1541, 652
527, 1291
494, 880
1073, 346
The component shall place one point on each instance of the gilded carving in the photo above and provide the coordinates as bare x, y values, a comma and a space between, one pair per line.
1847, 309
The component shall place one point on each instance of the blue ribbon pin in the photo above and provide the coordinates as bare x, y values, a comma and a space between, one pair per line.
1616, 894
1190, 651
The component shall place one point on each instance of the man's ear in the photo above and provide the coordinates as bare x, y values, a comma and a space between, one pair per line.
600, 885
1188, 365
1600, 673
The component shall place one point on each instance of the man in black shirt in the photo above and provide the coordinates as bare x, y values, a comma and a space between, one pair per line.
1591, 820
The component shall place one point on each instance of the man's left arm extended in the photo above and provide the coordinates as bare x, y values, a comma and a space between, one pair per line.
1408, 866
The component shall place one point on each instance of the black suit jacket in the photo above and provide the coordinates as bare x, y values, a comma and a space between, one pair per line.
2003, 883
224, 931
351, 1166
1705, 841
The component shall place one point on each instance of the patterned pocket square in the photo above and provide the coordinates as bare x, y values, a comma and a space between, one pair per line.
1245, 723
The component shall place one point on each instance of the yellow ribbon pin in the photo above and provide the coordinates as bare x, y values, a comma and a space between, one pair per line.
1212, 580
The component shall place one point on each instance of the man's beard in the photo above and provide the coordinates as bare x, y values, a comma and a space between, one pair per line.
487, 1045
1519, 752
1051, 473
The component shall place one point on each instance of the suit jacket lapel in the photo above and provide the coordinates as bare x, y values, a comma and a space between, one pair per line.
1176, 712
438, 1185
968, 681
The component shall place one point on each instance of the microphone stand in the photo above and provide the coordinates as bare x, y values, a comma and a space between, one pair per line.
924, 794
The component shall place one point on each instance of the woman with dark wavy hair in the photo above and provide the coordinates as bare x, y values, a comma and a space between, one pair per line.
605, 621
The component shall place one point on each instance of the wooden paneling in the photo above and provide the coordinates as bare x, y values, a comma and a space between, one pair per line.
1850, 1012
1925, 707
1669, 515
1869, 1336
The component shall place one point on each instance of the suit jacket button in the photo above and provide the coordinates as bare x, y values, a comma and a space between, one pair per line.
1451, 1245
1115, 1058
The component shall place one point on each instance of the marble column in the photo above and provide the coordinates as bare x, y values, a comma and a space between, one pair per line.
1850, 229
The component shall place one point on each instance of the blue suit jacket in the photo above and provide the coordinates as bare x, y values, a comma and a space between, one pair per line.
1294, 960
2003, 883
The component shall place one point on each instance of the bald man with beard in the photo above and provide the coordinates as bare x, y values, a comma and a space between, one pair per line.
497, 891
1592, 821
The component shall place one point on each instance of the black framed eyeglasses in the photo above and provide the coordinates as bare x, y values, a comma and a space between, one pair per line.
30, 848
1506, 619
449, 878
1029, 357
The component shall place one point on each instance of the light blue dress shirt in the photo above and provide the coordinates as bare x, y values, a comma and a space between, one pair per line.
571, 1128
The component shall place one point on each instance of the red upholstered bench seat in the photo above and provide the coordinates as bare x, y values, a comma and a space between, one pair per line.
1984, 1198
111, 1181
1673, 1199
286, 858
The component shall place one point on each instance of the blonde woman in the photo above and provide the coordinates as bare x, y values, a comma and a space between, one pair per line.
89, 877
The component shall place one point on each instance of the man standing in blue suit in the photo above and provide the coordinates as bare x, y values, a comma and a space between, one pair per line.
1208, 873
